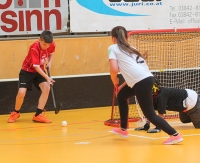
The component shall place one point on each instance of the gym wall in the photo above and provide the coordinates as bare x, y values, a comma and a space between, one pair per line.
80, 67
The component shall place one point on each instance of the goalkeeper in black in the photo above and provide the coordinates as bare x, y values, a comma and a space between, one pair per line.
184, 101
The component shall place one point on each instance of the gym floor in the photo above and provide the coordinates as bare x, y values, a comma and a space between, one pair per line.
87, 140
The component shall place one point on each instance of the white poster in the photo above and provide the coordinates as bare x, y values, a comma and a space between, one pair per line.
103, 15
32, 16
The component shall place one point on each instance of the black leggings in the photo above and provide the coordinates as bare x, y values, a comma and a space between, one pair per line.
143, 92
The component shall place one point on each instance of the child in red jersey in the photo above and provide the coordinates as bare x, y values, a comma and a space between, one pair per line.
32, 72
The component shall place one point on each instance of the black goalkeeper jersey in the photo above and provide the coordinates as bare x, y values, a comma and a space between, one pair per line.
170, 99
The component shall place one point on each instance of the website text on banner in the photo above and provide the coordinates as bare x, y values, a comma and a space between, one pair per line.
133, 14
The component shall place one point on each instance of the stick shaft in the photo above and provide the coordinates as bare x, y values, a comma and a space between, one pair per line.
52, 92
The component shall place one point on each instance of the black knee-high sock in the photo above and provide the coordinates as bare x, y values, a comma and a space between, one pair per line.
17, 111
38, 111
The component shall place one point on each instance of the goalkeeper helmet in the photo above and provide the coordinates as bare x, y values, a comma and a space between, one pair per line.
156, 87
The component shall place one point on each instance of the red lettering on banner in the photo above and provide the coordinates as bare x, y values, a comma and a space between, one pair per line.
15, 20
29, 14
20, 2
21, 20
47, 15
6, 20
6, 5
57, 3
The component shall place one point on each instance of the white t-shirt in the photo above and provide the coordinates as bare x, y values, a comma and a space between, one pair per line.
131, 70
191, 100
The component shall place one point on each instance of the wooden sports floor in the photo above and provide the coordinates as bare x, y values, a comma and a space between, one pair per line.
87, 140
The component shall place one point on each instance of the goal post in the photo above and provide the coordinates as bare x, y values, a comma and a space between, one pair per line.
173, 57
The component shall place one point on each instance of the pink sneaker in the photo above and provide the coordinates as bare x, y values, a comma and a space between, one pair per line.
173, 139
120, 132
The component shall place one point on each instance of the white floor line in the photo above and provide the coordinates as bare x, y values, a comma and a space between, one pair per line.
147, 137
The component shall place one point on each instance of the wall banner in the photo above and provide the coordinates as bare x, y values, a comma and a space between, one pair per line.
103, 15
19, 17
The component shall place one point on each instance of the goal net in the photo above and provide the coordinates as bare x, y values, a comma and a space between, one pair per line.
173, 57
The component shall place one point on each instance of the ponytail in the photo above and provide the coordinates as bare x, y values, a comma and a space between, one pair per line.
120, 33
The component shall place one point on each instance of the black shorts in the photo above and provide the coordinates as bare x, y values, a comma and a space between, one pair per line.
26, 79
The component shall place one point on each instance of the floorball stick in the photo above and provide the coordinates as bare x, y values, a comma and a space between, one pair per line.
57, 109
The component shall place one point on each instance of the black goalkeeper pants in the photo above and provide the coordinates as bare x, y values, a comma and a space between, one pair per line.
192, 115
143, 92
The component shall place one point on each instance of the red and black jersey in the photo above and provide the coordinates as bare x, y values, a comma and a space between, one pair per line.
37, 56
170, 99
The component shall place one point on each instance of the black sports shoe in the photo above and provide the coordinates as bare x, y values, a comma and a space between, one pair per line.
145, 127
155, 130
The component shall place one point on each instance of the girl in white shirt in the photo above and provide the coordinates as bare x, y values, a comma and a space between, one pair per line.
139, 80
